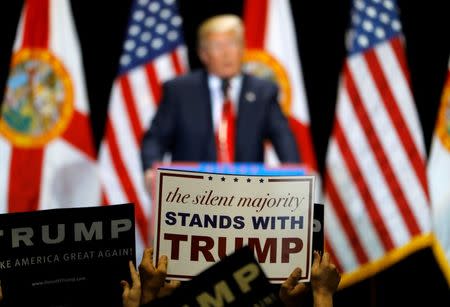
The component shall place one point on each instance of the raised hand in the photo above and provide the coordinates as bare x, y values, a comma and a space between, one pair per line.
152, 279
131, 295
292, 293
325, 280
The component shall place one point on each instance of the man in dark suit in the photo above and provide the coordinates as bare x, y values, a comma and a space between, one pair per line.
194, 123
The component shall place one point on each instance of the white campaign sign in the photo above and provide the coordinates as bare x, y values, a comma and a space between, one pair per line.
201, 217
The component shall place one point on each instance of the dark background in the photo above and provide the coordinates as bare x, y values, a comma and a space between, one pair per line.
320, 26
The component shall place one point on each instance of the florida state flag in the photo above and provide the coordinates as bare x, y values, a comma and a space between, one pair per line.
272, 53
438, 180
46, 149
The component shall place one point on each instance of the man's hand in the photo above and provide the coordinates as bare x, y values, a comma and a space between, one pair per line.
131, 296
152, 279
168, 288
293, 293
325, 279
1, 293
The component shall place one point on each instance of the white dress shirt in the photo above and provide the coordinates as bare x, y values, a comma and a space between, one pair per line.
217, 98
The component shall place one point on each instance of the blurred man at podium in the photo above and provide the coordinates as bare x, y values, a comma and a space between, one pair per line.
218, 113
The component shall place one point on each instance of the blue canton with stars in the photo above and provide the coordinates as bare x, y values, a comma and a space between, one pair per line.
373, 22
154, 28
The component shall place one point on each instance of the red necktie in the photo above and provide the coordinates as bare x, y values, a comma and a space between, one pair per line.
226, 134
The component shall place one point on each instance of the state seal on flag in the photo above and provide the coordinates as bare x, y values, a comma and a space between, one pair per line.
262, 64
443, 121
38, 103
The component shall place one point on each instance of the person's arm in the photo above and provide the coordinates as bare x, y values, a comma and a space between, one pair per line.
158, 139
325, 280
292, 293
279, 132
1, 293
131, 295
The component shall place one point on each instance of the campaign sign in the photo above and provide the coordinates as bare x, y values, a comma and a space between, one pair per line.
237, 280
201, 217
66, 257
235, 168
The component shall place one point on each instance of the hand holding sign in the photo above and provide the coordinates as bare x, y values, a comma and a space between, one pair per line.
325, 279
153, 278
292, 293
131, 295
324, 282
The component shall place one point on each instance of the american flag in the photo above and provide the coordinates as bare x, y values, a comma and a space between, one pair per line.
375, 184
153, 52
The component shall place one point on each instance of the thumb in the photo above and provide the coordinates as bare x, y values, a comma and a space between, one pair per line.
126, 287
174, 284
290, 282
300, 289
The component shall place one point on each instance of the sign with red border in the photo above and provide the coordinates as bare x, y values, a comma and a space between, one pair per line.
202, 217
